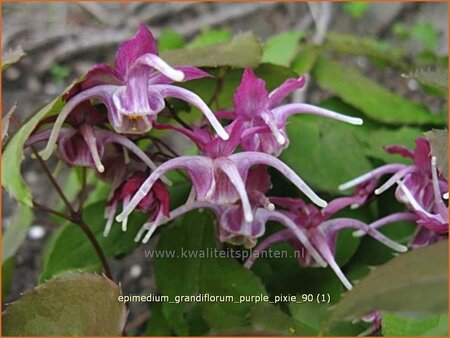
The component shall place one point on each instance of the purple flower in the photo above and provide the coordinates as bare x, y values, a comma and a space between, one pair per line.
420, 188
258, 108
80, 144
232, 226
132, 92
155, 203
320, 231
218, 176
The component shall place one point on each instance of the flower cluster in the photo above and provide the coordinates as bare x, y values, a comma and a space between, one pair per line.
111, 108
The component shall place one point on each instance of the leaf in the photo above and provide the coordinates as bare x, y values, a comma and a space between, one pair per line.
395, 325
372, 99
210, 37
78, 304
16, 232
439, 147
7, 275
324, 152
426, 34
415, 283
315, 314
378, 139
356, 9
12, 56
281, 49
305, 59
191, 233
200, 271
169, 40
243, 51
157, 325
437, 78
269, 318
5, 121
71, 250
13, 154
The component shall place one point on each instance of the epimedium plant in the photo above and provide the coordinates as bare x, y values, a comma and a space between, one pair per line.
251, 157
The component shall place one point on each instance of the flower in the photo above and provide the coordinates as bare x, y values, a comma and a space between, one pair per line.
81, 144
257, 108
420, 188
320, 231
155, 203
218, 175
132, 93
232, 227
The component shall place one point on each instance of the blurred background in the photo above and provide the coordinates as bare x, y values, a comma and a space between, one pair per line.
64, 40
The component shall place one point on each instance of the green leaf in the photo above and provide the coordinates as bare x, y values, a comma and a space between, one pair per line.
16, 232
169, 40
200, 271
71, 250
415, 283
269, 318
437, 78
191, 233
356, 9
315, 314
378, 139
439, 147
281, 49
305, 59
324, 152
395, 325
157, 325
210, 37
73, 305
243, 51
11, 57
13, 155
7, 274
426, 34
372, 99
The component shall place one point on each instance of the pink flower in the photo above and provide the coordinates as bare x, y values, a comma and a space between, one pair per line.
258, 108
132, 91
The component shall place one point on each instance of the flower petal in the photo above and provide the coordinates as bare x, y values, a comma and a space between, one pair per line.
190, 73
373, 175
285, 89
129, 51
251, 96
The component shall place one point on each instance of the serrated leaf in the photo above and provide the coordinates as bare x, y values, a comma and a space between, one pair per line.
413, 284
71, 250
371, 98
324, 152
78, 304
243, 50
433, 77
280, 49
16, 232
12, 56
5, 122
439, 147
13, 154
395, 325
